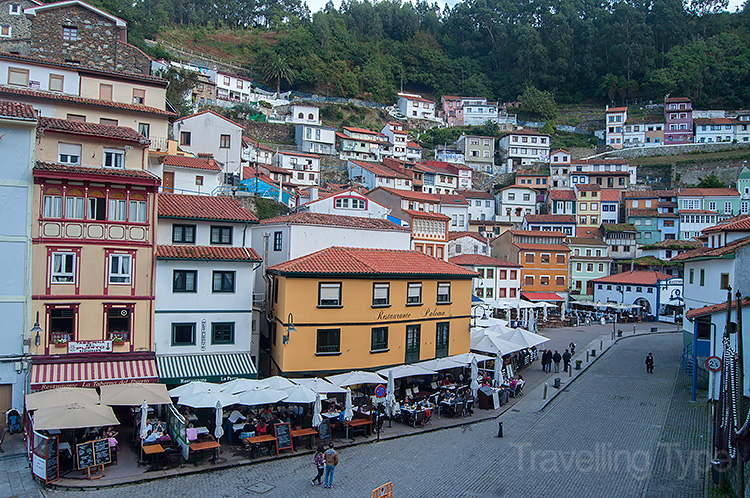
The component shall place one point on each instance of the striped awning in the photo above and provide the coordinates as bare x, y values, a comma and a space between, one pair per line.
209, 367
91, 372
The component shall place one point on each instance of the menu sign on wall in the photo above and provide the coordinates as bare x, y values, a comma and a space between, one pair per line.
90, 347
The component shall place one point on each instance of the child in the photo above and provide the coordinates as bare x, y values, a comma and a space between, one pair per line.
319, 463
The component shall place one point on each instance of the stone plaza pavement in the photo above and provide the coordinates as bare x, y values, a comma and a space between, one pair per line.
615, 431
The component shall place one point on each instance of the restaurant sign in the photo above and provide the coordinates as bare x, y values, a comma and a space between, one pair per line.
90, 347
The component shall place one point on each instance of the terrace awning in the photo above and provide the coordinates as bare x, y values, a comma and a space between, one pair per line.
216, 367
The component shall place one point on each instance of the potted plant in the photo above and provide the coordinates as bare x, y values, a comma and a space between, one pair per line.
61, 343
117, 340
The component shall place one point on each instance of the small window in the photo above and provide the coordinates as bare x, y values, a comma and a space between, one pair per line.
379, 339
76, 117
560, 281
221, 235
139, 96
329, 294
443, 292
560, 259
442, 338
277, 241
222, 333
117, 207
70, 33
144, 129
52, 207
108, 122
380, 293
223, 281
5, 31
183, 334
225, 141
529, 257
703, 277
63, 267
14, 9
137, 209
414, 293
120, 268
105, 92
329, 341
724, 281
114, 158
185, 281
183, 234
74, 204
185, 137
118, 324
198, 180
18, 76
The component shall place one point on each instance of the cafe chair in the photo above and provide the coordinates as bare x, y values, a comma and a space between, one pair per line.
458, 409
427, 418
174, 458
469, 408
418, 418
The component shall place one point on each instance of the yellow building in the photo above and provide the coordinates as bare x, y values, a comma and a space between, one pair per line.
354, 308
589, 206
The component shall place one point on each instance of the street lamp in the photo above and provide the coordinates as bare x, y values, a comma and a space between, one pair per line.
289, 328
36, 329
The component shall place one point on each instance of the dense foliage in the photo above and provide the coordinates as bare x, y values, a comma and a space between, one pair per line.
606, 51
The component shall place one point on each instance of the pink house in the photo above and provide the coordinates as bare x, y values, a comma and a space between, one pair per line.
678, 115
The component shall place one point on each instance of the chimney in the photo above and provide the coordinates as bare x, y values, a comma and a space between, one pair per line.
313, 193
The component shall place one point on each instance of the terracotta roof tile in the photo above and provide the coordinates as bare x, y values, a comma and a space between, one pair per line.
537, 233
90, 130
635, 277
413, 145
550, 218
542, 247
677, 99
610, 195
587, 187
376, 262
712, 252
475, 235
207, 253
334, 220
452, 199
741, 224
424, 214
215, 114
648, 194
586, 241
708, 192
562, 195
715, 308
378, 169
617, 109
74, 99
192, 162
66, 168
17, 110
481, 260
203, 207
409, 194
476, 194
642, 212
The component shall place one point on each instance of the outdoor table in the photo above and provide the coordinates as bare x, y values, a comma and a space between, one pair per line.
331, 414
199, 448
153, 451
306, 432
258, 440
192, 418
358, 422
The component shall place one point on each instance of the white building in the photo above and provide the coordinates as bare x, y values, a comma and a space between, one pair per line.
305, 168
457, 209
304, 114
715, 130
563, 201
347, 203
205, 280
653, 291
210, 133
477, 111
559, 163
315, 139
399, 138
373, 175
467, 243
514, 203
413, 151
565, 223
254, 152
187, 174
450, 156
499, 282
481, 204
522, 147
413, 106
615, 126
610, 201
18, 129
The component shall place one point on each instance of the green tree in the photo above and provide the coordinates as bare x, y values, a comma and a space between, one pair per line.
276, 68
539, 102
180, 84
711, 181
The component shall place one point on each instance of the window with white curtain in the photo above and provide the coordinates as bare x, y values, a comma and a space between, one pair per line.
63, 267
117, 210
119, 268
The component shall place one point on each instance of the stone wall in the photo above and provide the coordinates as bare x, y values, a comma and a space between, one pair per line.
97, 45
271, 133
675, 150
20, 28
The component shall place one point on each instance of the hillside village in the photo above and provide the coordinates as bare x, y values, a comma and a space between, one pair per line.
173, 248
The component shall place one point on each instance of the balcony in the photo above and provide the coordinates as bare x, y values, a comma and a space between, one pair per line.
158, 144
94, 230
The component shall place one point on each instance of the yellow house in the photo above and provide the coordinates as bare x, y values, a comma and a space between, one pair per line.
342, 309
589, 206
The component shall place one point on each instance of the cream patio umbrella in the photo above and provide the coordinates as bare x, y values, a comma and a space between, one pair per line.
319, 385
135, 393
355, 378
349, 406
390, 397
60, 397
219, 420
474, 374
74, 416
317, 409
144, 420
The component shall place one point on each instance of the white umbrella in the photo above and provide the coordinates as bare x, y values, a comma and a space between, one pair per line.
299, 394
390, 397
402, 371
193, 387
133, 393
260, 397
355, 378
349, 407
219, 430
208, 399
490, 341
524, 338
276, 382
438, 364
144, 420
465, 359
474, 374
319, 385
240, 385
317, 417
498, 370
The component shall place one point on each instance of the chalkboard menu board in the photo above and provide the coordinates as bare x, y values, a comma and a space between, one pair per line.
283, 437
85, 455
102, 455
324, 429
52, 460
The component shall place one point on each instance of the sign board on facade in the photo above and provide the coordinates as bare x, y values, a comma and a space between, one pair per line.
90, 347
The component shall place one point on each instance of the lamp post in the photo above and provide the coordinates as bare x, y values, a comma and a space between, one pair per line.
289, 328
36, 331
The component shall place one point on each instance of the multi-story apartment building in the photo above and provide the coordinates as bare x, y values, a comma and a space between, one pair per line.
523, 147
610, 200
498, 281
563, 201
700, 208
456, 207
413, 106
481, 204
615, 118
565, 223
479, 152
678, 116
543, 255
94, 213
204, 281
467, 243
365, 313
315, 139
365, 145
538, 180
445, 178
304, 114
623, 246
559, 164
452, 112
17, 127
373, 175
589, 208
187, 174
513, 203
305, 168
715, 130
398, 137
477, 111
589, 260
256, 153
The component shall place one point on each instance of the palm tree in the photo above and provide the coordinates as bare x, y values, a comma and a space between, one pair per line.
276, 67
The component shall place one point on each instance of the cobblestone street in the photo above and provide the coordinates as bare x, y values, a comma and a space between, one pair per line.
616, 431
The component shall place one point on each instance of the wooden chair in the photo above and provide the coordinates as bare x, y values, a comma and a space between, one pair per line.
419, 418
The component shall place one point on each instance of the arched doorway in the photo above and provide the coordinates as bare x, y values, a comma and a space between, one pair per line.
644, 304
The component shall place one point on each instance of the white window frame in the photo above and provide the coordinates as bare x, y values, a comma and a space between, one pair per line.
69, 153
52, 207
113, 153
117, 210
123, 265
10, 31
64, 275
14, 9
137, 211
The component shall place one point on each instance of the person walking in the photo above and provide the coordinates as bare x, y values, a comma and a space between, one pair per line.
572, 347
548, 355
319, 462
566, 360
556, 358
331, 459
650, 363
544, 360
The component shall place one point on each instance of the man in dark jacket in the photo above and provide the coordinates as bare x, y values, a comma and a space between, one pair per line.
566, 360
548, 360
556, 358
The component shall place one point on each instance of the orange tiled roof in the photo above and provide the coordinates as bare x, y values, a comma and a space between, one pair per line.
203, 207
191, 162
90, 129
67, 168
207, 253
708, 192
375, 262
537, 233
476, 194
740, 224
334, 220
16, 110
424, 214
635, 277
712, 252
562, 195
715, 308
475, 235
481, 260
409, 194
542, 247
609, 195
550, 218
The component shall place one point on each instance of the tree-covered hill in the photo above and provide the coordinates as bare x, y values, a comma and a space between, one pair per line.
580, 50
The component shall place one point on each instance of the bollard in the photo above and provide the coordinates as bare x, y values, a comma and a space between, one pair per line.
499, 429
587, 356
545, 391
593, 352
570, 370
601, 344
633, 329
